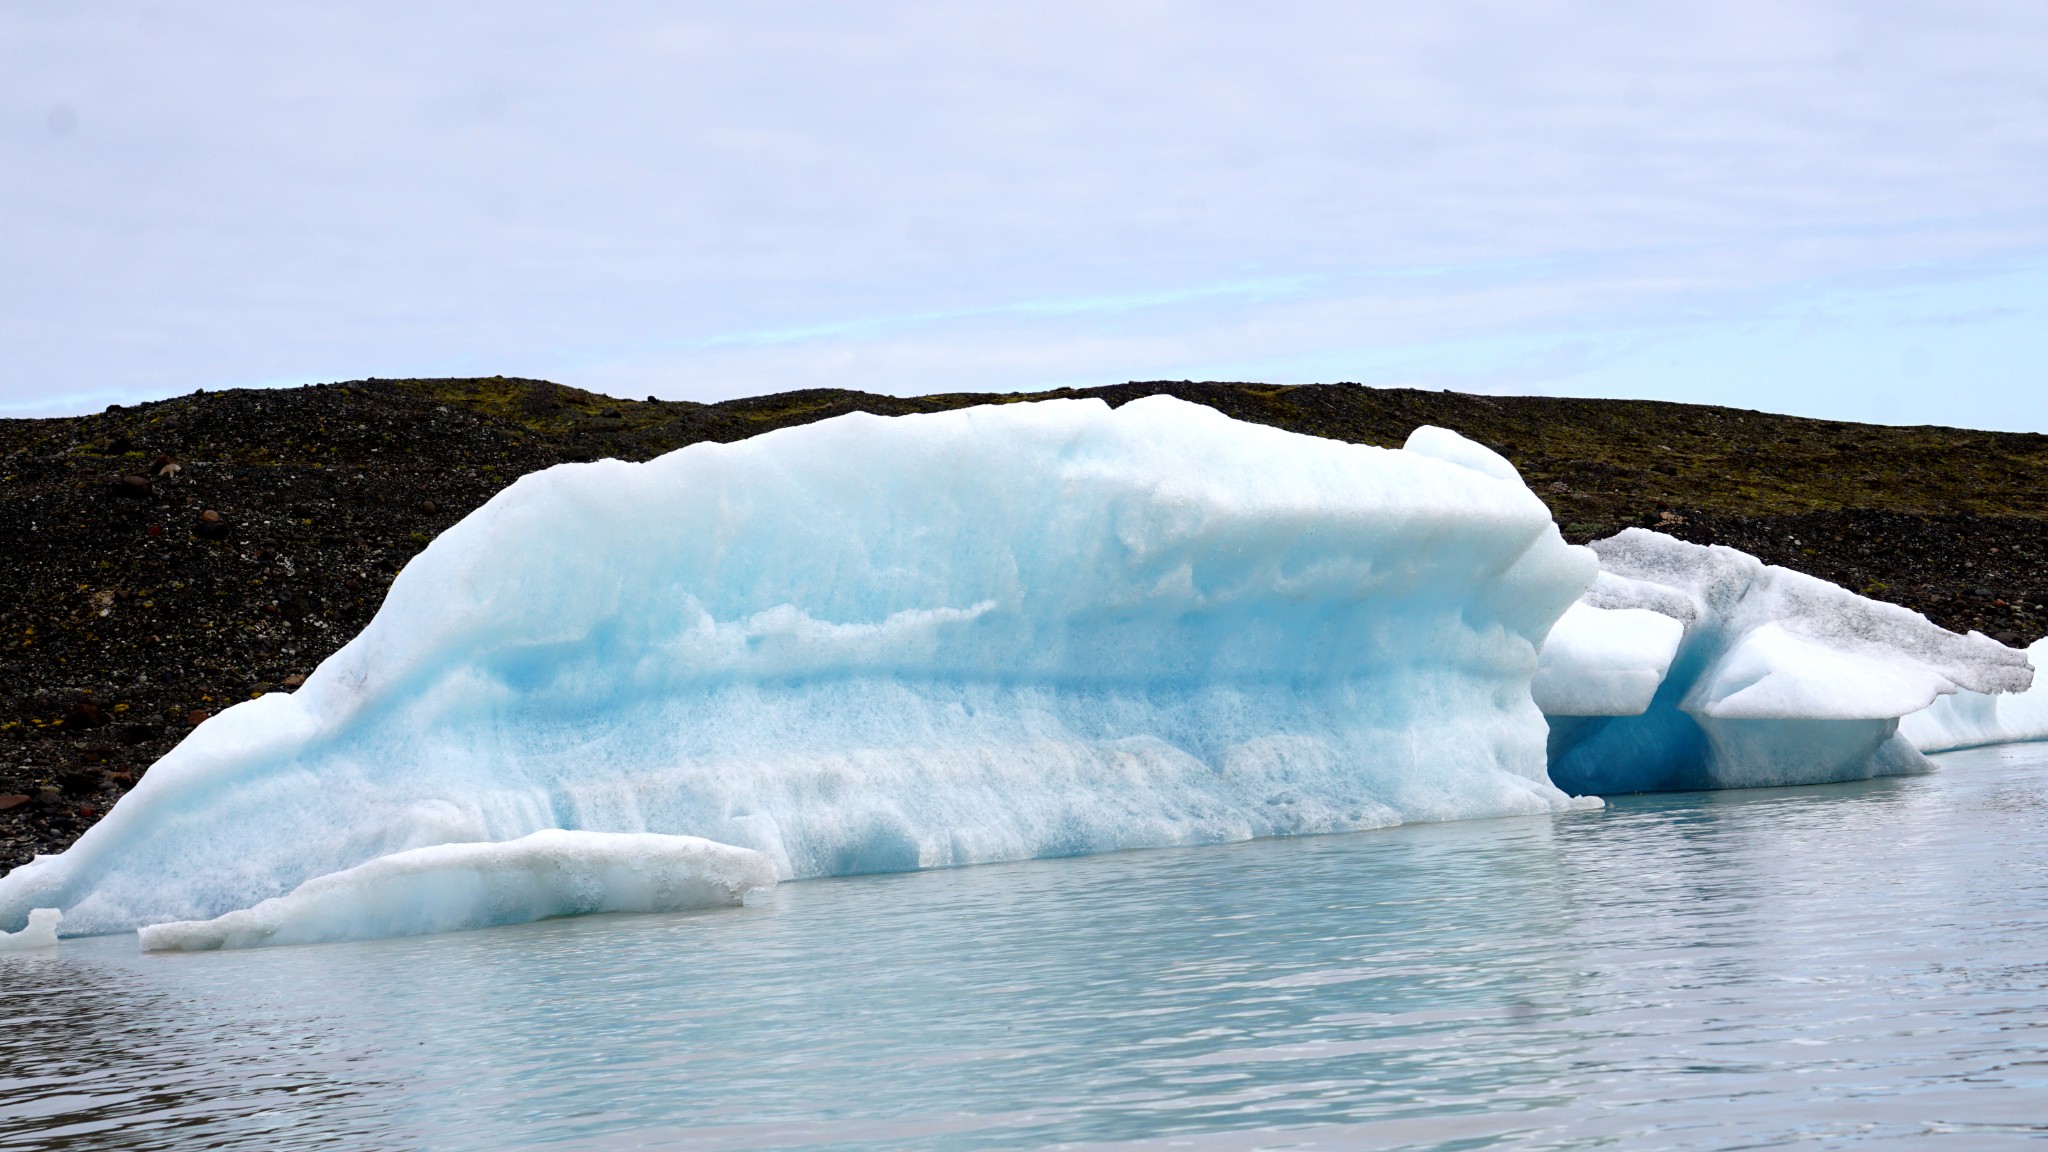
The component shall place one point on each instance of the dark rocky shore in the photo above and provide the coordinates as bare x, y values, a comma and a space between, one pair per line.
169, 559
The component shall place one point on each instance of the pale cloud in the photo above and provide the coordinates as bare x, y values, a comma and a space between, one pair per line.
725, 199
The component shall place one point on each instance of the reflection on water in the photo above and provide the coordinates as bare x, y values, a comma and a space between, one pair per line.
1846, 964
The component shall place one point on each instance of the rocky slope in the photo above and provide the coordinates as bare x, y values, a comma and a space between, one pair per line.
169, 559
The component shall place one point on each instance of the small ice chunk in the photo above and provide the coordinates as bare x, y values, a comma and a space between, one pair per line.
1604, 662
40, 933
1972, 719
454, 886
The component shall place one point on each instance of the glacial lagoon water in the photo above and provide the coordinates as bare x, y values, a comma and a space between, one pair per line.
1860, 965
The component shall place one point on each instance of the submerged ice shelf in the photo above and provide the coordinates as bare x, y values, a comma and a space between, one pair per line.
871, 644
452, 886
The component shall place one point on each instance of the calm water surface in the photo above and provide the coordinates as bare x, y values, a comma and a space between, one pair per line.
1847, 966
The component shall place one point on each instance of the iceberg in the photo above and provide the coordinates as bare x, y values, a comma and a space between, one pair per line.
455, 886
1972, 719
872, 644
1776, 678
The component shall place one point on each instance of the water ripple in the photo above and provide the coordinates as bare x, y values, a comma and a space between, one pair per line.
1856, 964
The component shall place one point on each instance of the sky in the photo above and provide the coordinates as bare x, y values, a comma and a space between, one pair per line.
1828, 209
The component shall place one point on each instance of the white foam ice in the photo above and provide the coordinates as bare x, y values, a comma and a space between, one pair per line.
870, 644
1972, 719
1780, 677
448, 887
41, 932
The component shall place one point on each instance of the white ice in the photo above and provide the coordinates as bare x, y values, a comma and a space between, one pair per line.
1972, 719
1604, 661
1780, 678
448, 887
40, 933
873, 644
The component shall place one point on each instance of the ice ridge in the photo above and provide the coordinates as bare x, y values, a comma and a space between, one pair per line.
886, 643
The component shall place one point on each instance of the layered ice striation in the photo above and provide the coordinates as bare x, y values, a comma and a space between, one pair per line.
873, 644
454, 886
1972, 719
1770, 677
